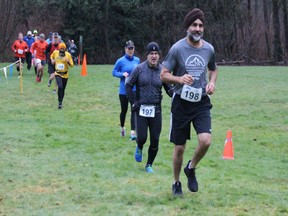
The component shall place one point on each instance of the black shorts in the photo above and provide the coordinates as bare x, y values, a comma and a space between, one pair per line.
51, 68
183, 113
22, 59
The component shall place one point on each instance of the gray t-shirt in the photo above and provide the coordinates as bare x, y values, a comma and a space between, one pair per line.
185, 59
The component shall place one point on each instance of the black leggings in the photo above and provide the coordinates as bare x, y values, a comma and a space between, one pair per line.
28, 56
124, 108
61, 83
155, 126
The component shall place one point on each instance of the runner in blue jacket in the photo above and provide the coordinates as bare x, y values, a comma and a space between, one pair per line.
29, 39
122, 69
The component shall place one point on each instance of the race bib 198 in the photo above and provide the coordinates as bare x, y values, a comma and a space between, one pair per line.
147, 111
191, 94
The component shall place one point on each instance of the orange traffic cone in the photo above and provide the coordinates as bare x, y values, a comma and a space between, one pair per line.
84, 66
228, 153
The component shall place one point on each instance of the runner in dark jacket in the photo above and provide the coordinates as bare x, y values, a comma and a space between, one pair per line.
147, 103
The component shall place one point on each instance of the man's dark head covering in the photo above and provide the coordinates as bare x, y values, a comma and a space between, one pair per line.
152, 46
193, 15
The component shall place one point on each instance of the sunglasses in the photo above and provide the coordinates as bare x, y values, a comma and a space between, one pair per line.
130, 48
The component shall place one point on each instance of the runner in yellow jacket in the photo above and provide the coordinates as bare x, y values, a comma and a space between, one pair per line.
62, 61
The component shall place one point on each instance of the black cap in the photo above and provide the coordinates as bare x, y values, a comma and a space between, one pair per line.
152, 46
129, 44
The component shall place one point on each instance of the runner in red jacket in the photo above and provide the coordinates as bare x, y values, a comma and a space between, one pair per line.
19, 48
38, 52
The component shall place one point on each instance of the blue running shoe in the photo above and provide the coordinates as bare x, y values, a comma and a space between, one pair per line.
132, 137
138, 154
149, 168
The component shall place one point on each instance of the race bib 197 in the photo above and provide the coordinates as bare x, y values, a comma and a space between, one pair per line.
147, 111
191, 94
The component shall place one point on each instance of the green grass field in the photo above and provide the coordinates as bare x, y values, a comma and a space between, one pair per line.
74, 162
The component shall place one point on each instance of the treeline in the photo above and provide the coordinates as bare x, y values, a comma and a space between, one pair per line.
242, 31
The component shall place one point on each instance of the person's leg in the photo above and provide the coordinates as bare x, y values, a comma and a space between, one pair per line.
51, 78
204, 142
51, 70
59, 81
142, 133
64, 83
202, 126
35, 66
22, 63
179, 134
142, 130
178, 161
132, 122
124, 107
177, 164
155, 126
28, 59
39, 68
41, 71
17, 64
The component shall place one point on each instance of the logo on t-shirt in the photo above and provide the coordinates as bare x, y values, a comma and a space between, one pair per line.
195, 66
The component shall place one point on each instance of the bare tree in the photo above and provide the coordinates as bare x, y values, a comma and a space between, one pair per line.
106, 26
267, 27
9, 22
277, 51
285, 23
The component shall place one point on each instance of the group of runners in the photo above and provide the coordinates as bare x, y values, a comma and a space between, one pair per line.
36, 50
188, 75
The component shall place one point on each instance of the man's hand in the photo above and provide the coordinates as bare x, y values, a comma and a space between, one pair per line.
210, 88
186, 79
135, 106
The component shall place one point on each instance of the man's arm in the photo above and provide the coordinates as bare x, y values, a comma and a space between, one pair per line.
167, 77
211, 86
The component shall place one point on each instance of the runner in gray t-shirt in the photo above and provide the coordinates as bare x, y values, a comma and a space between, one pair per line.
186, 66
186, 59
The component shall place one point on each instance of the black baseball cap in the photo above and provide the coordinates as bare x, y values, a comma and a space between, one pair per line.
129, 44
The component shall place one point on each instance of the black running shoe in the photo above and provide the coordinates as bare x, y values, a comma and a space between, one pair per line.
177, 189
192, 181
